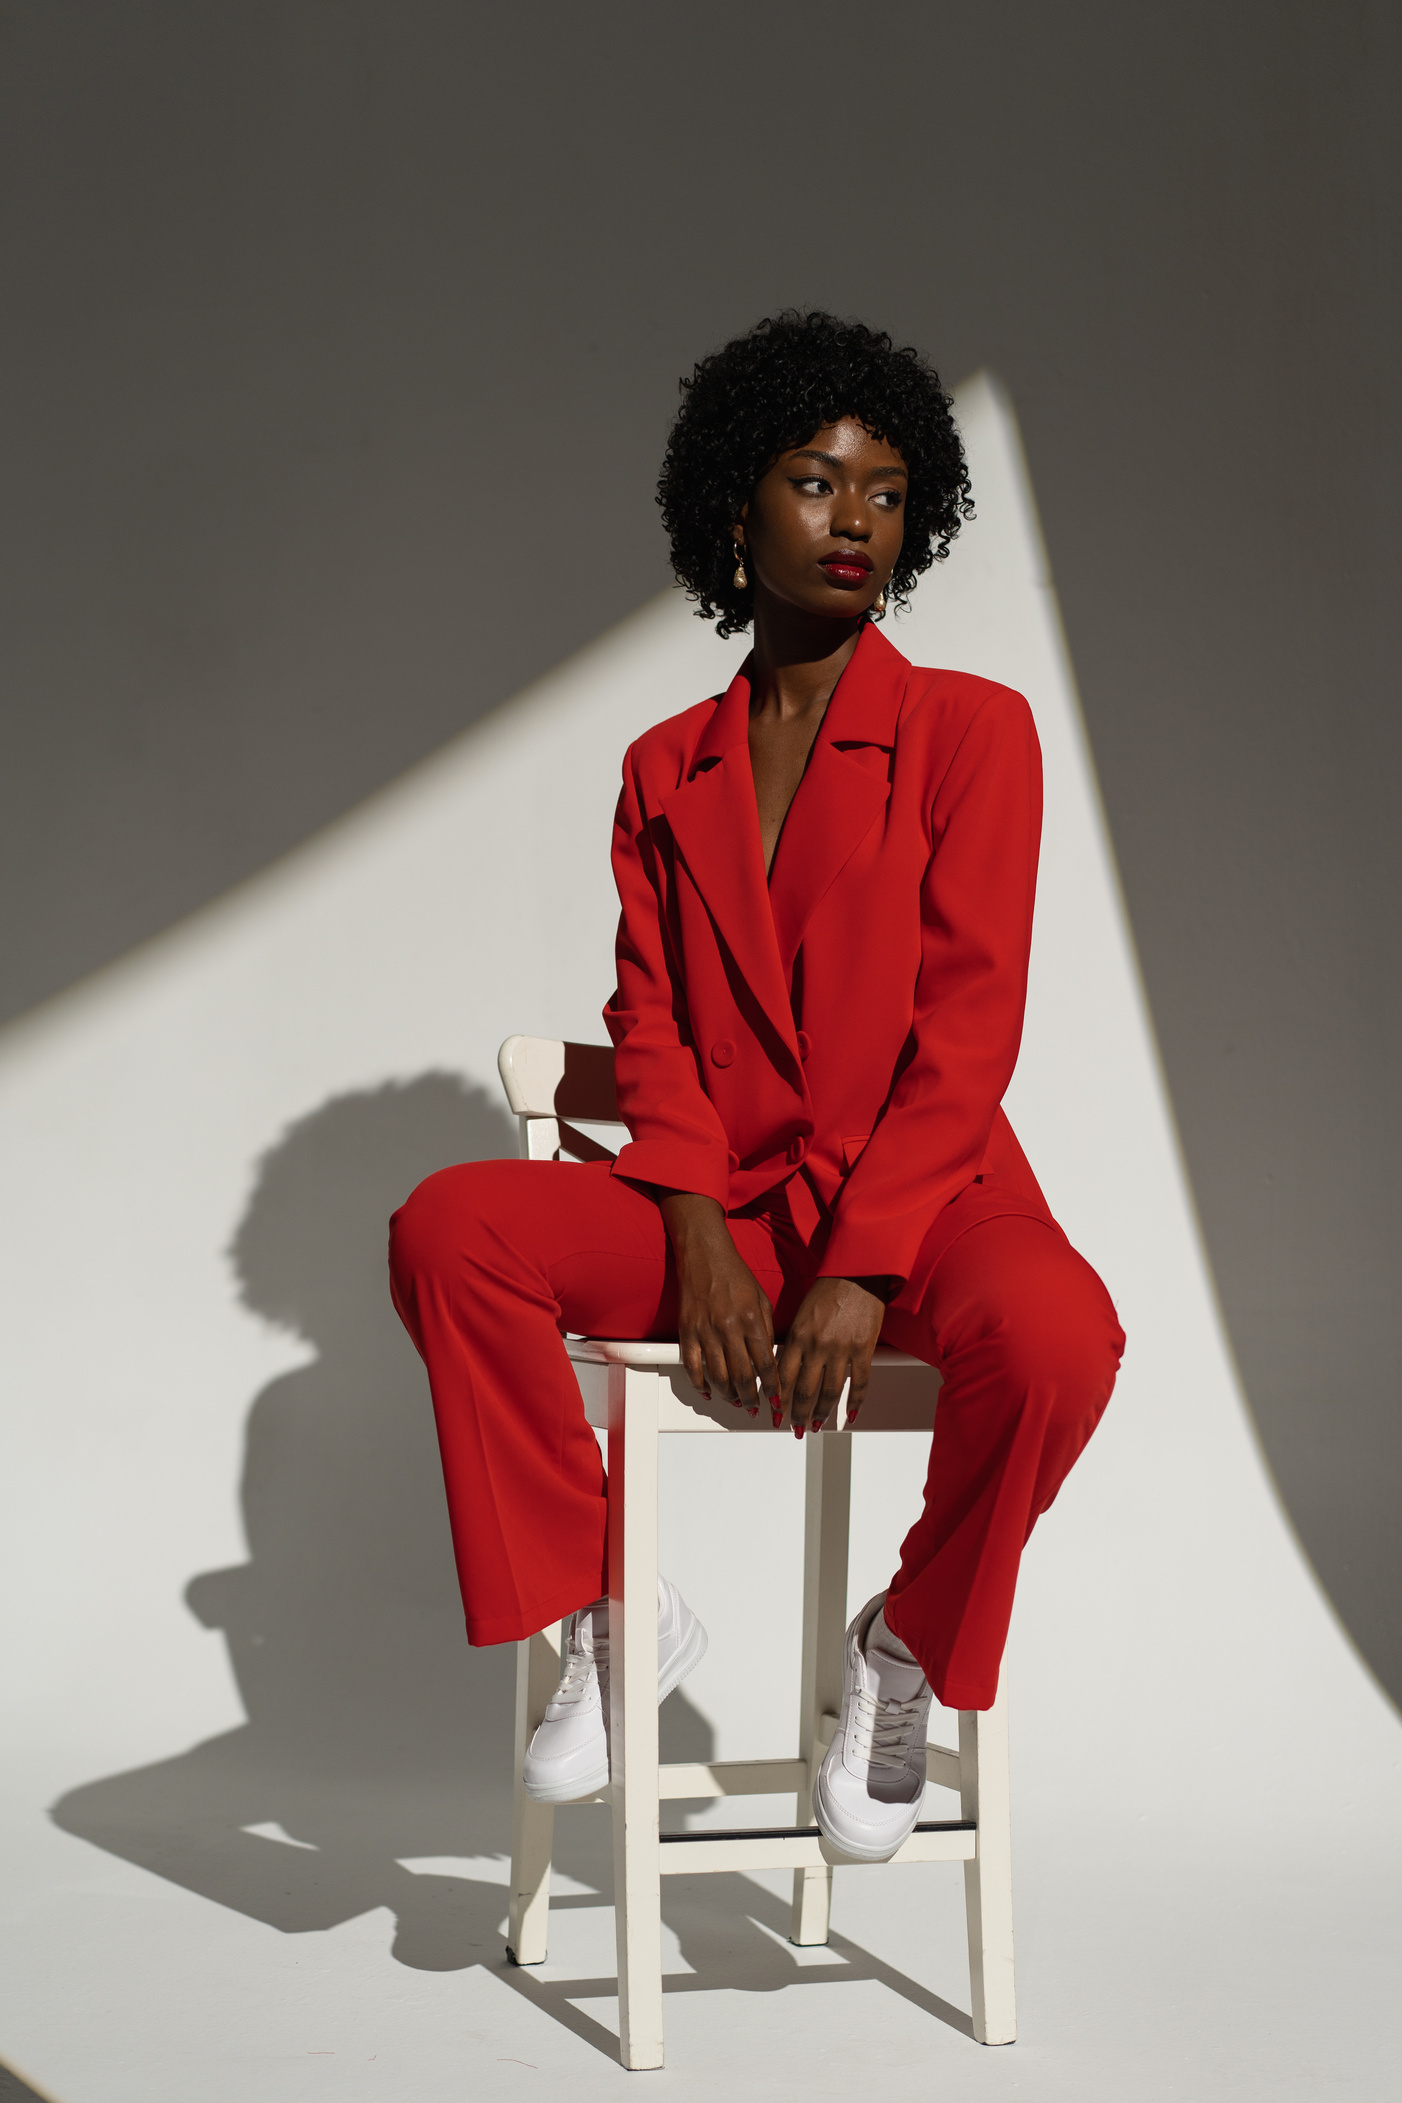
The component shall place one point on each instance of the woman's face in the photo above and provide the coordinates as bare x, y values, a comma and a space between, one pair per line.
823, 530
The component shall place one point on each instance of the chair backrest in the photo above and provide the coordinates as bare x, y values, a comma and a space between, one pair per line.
549, 1084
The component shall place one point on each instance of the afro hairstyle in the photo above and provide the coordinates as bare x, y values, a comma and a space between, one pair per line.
773, 388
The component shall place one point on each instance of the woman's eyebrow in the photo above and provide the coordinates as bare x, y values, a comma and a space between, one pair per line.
810, 452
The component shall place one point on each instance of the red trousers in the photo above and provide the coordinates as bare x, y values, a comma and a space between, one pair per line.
491, 1261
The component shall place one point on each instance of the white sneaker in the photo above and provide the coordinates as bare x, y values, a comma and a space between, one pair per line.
871, 1784
569, 1756
681, 1640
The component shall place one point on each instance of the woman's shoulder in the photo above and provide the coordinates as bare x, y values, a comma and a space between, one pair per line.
664, 752
935, 690
944, 713
920, 703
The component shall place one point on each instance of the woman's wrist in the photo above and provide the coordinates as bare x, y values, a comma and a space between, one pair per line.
881, 1288
689, 1217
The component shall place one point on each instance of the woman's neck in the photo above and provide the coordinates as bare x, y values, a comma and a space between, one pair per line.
796, 660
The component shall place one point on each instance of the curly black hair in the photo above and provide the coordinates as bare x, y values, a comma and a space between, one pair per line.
773, 388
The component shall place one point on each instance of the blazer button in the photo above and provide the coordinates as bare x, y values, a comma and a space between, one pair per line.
805, 1044
723, 1053
797, 1149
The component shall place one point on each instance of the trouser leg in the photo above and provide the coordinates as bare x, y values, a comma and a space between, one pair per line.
488, 1263
1028, 1343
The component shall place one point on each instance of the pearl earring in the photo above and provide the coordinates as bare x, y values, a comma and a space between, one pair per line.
878, 604
739, 580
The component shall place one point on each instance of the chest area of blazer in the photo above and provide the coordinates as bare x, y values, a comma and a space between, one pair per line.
855, 839
845, 884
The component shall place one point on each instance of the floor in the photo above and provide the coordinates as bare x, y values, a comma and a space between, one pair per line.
1144, 1973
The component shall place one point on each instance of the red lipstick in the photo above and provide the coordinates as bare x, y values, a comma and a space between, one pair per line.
847, 566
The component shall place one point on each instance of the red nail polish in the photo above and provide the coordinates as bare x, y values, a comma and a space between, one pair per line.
798, 1431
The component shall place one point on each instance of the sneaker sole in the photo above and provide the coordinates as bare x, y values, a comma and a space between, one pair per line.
687, 1658
569, 1792
852, 1849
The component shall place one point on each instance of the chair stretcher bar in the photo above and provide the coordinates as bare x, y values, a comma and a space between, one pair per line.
794, 1847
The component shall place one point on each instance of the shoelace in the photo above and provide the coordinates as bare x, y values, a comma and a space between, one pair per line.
580, 1663
882, 1731
574, 1681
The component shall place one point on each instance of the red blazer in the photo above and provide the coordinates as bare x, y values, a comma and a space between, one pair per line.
856, 1023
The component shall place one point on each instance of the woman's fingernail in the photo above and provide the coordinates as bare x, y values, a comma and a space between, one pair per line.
754, 1412
798, 1431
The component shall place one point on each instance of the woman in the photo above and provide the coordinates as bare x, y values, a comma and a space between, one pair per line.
826, 876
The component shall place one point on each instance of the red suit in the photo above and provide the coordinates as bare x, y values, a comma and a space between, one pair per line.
825, 1054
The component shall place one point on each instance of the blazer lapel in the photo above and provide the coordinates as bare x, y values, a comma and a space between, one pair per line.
838, 799
714, 822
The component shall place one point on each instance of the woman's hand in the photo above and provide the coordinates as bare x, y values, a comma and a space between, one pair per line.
830, 1342
725, 1323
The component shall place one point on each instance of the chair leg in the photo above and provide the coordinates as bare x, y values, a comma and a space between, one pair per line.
532, 1824
827, 1503
637, 1884
988, 1879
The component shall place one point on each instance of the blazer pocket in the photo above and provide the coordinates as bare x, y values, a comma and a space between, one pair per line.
851, 1151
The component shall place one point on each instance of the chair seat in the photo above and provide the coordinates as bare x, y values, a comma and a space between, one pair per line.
612, 1350
901, 1396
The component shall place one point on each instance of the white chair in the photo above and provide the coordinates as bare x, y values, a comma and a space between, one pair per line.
634, 1391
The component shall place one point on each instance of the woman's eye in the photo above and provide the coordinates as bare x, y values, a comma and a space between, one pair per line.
816, 485
891, 498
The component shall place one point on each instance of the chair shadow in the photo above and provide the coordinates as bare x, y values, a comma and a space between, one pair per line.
378, 1745
721, 1930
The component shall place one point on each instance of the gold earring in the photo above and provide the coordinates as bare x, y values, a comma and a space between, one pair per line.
878, 604
739, 580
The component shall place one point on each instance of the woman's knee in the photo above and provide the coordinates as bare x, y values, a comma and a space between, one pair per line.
1047, 1317
442, 1218
1064, 1336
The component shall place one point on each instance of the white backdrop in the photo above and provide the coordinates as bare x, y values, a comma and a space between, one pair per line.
1206, 1781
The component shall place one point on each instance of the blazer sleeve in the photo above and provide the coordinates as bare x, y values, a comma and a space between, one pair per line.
971, 992
677, 1139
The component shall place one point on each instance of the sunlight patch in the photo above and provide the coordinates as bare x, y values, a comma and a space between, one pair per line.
271, 1830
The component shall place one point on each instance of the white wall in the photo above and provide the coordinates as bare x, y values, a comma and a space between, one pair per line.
1174, 1666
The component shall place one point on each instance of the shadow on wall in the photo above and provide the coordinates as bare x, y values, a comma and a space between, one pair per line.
14, 2090
375, 1735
